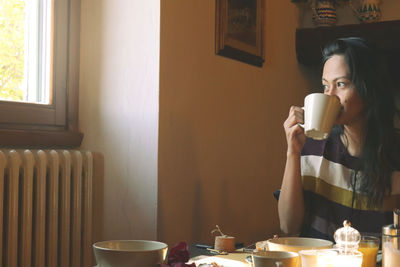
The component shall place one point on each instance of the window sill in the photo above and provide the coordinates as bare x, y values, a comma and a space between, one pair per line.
42, 139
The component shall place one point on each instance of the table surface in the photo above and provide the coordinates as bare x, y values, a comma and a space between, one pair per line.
204, 256
237, 258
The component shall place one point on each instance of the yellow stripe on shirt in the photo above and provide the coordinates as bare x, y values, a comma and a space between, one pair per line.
344, 197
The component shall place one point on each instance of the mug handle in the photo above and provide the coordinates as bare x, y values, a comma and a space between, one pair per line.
302, 124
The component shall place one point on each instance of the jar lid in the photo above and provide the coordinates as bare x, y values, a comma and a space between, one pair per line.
390, 230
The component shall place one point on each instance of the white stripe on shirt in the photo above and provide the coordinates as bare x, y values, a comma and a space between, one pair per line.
330, 172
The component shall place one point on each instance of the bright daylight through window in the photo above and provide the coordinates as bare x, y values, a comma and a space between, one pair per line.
39, 72
25, 50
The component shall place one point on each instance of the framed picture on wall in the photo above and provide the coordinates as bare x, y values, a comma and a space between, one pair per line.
239, 30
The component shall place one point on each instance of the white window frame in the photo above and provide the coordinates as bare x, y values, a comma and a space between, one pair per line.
55, 124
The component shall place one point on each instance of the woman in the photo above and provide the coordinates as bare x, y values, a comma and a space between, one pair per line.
353, 175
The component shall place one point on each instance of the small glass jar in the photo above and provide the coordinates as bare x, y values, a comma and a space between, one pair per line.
391, 242
345, 254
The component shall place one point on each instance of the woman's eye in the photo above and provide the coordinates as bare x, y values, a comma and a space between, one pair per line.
325, 87
341, 84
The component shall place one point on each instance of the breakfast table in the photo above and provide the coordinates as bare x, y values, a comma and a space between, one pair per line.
238, 258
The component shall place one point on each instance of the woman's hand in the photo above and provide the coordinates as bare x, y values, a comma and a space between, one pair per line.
295, 136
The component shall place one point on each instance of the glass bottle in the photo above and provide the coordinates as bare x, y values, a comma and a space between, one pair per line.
391, 242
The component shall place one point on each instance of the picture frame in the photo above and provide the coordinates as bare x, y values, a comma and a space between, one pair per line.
239, 30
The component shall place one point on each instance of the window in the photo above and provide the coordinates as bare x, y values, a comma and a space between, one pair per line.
41, 106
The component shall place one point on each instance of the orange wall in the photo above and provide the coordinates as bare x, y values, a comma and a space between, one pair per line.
221, 141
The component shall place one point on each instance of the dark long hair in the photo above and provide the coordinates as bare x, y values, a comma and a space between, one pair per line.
380, 154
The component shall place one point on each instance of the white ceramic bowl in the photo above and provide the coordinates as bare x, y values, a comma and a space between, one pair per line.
127, 253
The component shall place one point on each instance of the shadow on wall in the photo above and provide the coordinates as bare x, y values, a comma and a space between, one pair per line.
98, 199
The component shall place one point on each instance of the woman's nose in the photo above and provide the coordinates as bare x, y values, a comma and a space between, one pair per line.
329, 91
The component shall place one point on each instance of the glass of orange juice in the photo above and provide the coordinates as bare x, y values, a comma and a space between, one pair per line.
369, 246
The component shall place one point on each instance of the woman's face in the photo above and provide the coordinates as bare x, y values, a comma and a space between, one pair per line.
336, 81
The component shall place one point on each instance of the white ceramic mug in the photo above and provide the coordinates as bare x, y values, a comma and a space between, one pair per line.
274, 259
320, 113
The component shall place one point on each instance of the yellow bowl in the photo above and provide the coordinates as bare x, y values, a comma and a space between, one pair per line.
127, 253
295, 244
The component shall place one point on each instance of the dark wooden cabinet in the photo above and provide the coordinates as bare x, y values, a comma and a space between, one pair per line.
385, 34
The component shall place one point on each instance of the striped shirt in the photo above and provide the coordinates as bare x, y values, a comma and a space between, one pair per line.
327, 171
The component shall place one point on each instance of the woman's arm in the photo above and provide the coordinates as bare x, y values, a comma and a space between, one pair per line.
291, 202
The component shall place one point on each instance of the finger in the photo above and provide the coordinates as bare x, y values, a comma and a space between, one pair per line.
294, 132
297, 130
299, 116
298, 112
295, 108
293, 120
